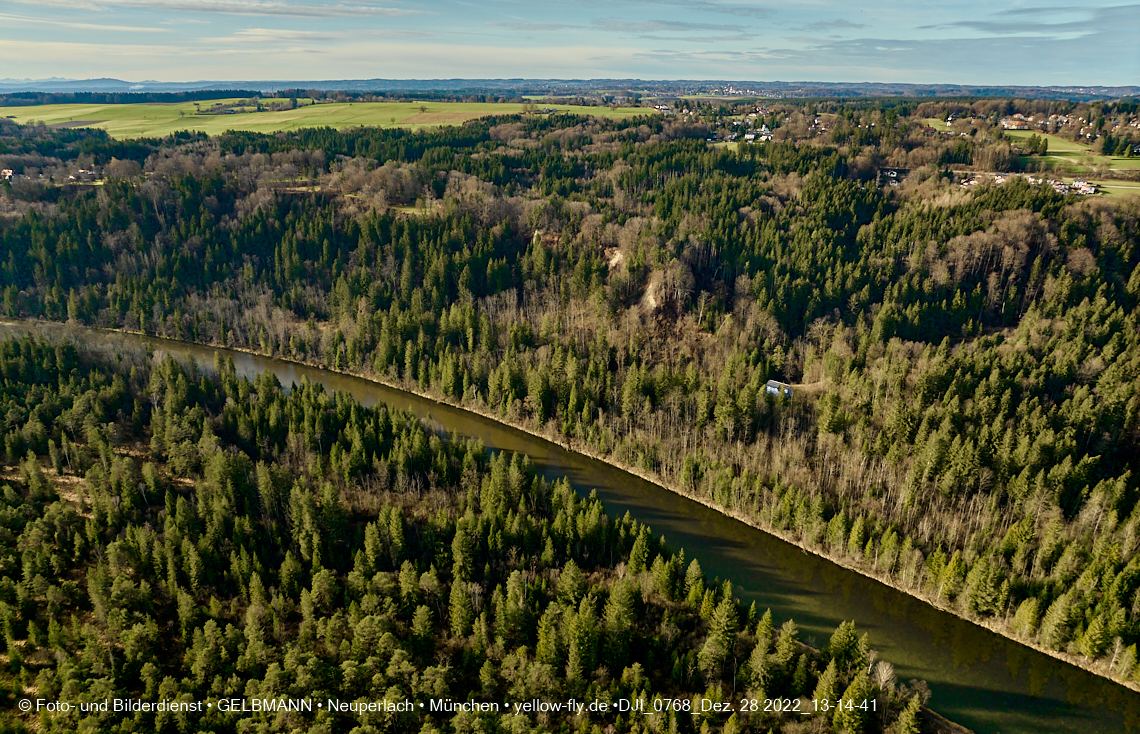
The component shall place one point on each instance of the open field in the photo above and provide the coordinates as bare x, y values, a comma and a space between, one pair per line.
150, 120
1117, 188
1076, 157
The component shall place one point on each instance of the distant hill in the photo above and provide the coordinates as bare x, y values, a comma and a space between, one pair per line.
796, 89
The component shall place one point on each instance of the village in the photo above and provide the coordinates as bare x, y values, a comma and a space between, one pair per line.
1076, 186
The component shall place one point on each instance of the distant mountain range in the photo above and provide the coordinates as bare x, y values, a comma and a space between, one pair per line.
620, 87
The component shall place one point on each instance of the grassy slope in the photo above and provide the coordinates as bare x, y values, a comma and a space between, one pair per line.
1117, 188
146, 120
1074, 156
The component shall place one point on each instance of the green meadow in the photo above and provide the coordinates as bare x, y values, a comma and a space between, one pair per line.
1118, 188
1075, 157
153, 120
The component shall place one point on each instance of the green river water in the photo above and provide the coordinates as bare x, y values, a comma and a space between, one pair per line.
978, 679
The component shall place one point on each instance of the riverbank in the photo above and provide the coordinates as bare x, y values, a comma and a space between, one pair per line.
975, 672
579, 446
193, 352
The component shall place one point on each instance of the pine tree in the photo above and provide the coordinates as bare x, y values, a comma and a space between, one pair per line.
409, 580
757, 668
462, 613
639, 554
1095, 639
724, 622
1025, 618
825, 688
908, 721
856, 539
847, 648
421, 623
849, 717
619, 621
800, 677
582, 633
549, 647
462, 553
1055, 626
571, 583
764, 630
662, 572
787, 646
694, 582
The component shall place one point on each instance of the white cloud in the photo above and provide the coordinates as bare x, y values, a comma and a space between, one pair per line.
277, 36
21, 19
894, 40
236, 7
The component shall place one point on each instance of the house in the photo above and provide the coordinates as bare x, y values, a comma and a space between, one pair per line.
892, 176
7, 174
1013, 124
779, 389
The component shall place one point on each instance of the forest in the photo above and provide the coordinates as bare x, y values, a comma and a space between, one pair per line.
173, 532
964, 363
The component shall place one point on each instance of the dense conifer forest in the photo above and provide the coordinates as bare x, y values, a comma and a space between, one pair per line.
176, 535
964, 363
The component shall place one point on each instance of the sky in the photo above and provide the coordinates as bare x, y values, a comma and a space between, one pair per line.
1000, 42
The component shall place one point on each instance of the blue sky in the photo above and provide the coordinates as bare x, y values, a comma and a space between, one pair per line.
967, 42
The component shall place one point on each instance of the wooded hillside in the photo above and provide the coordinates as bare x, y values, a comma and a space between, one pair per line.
174, 536
965, 363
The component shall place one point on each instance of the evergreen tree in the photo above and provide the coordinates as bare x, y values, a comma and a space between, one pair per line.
851, 715
826, 687
1056, 624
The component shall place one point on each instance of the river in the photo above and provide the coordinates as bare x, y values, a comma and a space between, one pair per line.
978, 678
